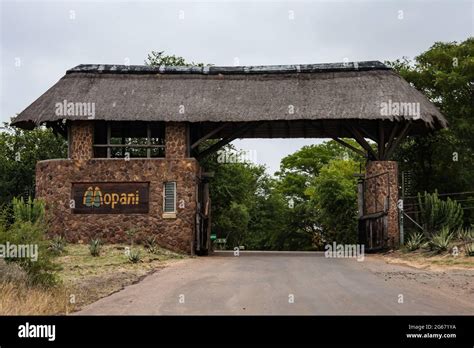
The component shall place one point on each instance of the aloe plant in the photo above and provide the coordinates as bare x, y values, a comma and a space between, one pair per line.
415, 241
151, 245
440, 241
56, 245
469, 249
134, 256
436, 214
95, 246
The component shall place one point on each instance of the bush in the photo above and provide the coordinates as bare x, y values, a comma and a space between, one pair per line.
12, 273
469, 249
95, 246
57, 245
131, 234
436, 214
150, 245
134, 256
39, 265
440, 241
335, 196
31, 211
415, 241
466, 234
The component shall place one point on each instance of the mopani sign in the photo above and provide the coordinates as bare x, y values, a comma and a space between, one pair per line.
110, 198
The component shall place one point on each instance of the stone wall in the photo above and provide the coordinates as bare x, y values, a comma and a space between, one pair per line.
381, 193
176, 140
55, 177
54, 180
82, 139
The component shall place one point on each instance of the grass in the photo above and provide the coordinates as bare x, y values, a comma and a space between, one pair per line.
84, 279
426, 258
22, 299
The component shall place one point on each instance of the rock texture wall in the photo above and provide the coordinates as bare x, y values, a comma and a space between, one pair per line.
176, 140
54, 180
381, 191
82, 139
53, 184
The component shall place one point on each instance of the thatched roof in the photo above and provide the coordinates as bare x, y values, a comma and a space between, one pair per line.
319, 92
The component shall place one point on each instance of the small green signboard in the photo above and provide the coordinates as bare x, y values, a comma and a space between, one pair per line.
213, 237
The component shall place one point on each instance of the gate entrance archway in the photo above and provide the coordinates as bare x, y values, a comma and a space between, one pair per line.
167, 112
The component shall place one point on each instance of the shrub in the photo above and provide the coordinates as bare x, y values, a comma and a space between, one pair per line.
18, 298
131, 234
39, 266
150, 245
95, 247
30, 211
436, 214
415, 241
134, 256
469, 249
12, 273
440, 241
466, 234
57, 245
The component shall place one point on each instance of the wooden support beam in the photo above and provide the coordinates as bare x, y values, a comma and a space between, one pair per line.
241, 130
288, 129
343, 143
208, 135
393, 133
362, 142
397, 141
304, 129
368, 134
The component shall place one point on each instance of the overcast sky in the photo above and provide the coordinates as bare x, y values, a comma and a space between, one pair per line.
40, 40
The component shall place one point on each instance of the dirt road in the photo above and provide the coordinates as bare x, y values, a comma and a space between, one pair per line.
292, 283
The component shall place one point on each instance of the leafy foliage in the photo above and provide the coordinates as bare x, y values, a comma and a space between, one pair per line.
19, 152
57, 245
440, 241
415, 241
285, 213
134, 256
436, 214
40, 269
443, 160
158, 58
469, 249
95, 247
335, 196
150, 245
32, 211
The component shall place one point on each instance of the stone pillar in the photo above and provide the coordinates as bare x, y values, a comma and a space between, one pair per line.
381, 194
176, 140
82, 140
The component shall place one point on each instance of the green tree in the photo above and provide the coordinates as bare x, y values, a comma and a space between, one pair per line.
233, 191
19, 152
158, 58
443, 161
335, 196
297, 177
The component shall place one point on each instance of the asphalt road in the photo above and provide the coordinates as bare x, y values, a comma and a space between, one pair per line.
291, 283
